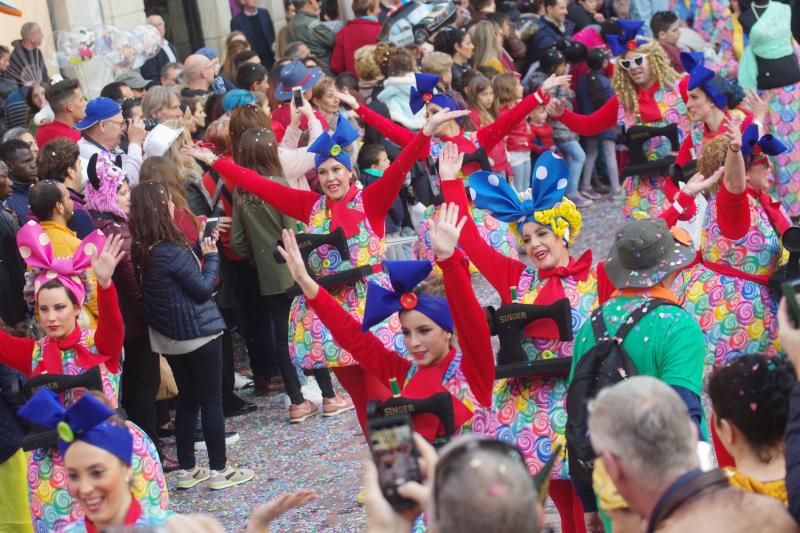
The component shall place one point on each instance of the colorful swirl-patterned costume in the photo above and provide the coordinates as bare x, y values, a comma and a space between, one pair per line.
52, 508
714, 22
528, 412
150, 518
644, 195
310, 342
736, 315
783, 121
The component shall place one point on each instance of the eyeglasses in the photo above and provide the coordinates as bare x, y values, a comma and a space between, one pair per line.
120, 123
626, 64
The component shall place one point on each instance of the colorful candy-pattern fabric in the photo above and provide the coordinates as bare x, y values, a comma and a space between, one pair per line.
736, 315
310, 343
52, 508
783, 121
644, 196
493, 231
151, 518
532, 413
714, 22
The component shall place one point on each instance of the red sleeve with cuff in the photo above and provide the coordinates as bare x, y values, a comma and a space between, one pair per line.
502, 272
393, 131
110, 333
380, 195
684, 206
595, 123
294, 203
477, 359
370, 353
495, 132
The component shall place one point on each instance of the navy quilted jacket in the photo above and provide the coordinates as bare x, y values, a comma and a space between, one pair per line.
178, 293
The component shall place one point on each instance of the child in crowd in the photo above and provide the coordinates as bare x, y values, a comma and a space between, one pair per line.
666, 28
372, 162
482, 112
508, 92
542, 134
593, 91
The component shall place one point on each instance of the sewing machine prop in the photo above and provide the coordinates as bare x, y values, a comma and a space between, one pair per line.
39, 437
682, 174
308, 242
791, 270
440, 405
508, 323
639, 164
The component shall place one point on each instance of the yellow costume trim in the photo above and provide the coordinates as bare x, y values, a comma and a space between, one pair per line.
563, 219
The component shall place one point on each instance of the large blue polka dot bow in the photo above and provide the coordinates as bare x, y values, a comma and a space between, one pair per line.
333, 146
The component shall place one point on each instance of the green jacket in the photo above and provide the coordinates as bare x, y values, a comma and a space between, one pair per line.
255, 228
319, 38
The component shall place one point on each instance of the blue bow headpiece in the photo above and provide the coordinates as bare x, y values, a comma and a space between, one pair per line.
754, 146
548, 185
86, 420
423, 94
631, 29
404, 276
327, 146
702, 76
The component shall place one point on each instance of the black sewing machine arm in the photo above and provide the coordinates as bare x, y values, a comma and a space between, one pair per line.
340, 278
638, 162
439, 405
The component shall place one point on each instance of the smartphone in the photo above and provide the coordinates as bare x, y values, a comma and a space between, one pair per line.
396, 457
297, 95
211, 225
789, 289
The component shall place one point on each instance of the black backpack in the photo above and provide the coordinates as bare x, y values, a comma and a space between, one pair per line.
605, 364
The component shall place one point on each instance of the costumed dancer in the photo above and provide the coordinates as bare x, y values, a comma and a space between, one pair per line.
97, 450
647, 95
714, 22
740, 248
429, 323
59, 292
770, 64
361, 214
529, 411
474, 144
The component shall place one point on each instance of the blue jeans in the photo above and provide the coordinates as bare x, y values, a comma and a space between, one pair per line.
575, 158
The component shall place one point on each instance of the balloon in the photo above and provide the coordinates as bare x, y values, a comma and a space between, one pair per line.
146, 40
74, 47
127, 50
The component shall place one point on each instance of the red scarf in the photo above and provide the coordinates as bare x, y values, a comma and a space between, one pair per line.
553, 290
52, 362
344, 217
648, 106
773, 209
134, 513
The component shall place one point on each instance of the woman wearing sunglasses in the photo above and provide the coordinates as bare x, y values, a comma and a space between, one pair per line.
647, 95
429, 323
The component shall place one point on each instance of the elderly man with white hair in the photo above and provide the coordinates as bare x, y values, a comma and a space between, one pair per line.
647, 462
151, 70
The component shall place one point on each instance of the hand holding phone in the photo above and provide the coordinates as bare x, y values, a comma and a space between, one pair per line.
297, 96
396, 457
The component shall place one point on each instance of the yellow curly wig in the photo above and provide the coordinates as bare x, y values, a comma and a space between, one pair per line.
659, 64
563, 219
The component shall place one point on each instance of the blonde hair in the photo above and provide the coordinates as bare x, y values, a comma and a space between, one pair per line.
484, 37
157, 98
664, 74
437, 63
321, 88
367, 68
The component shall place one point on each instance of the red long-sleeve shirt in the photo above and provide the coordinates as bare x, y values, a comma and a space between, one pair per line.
378, 196
477, 359
733, 212
687, 145
488, 136
17, 352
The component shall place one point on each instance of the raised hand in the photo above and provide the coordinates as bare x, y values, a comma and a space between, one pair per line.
554, 81
347, 99
201, 154
104, 263
440, 118
734, 134
450, 161
757, 106
265, 513
699, 183
555, 108
297, 268
445, 231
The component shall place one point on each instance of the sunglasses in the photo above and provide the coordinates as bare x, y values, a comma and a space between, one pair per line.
627, 64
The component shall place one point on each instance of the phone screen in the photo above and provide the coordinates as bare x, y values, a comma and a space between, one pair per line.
395, 457
211, 225
297, 94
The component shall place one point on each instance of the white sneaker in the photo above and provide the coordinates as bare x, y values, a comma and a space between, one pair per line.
241, 382
229, 477
231, 437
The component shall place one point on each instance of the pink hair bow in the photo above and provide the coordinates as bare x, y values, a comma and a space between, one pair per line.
35, 249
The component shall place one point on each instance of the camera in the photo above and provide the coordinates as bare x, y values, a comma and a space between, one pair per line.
150, 123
